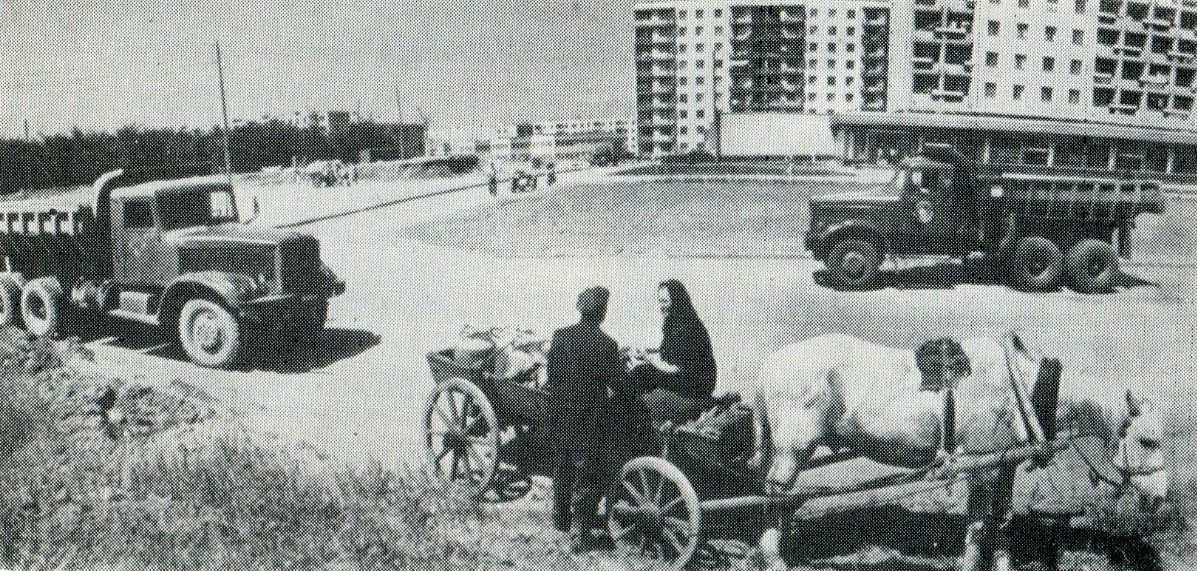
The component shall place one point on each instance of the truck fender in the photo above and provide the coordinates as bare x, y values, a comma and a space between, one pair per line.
847, 228
233, 290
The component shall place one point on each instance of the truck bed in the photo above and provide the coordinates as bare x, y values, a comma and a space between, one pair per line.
1081, 198
64, 216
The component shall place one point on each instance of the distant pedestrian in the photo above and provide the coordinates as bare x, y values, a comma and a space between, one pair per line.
583, 363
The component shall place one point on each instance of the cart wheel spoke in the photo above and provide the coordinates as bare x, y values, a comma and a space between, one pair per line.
639, 499
451, 396
453, 470
449, 422
671, 537
643, 483
446, 450
680, 525
671, 504
660, 489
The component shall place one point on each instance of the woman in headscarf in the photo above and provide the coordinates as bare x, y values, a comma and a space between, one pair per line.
679, 379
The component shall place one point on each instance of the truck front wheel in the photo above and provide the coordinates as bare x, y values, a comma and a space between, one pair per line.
1037, 264
853, 263
1092, 265
209, 333
42, 303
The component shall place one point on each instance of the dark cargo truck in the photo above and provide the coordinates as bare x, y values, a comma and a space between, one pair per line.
1035, 231
170, 254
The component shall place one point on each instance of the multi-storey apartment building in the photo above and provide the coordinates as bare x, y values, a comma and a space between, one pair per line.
698, 59
1097, 83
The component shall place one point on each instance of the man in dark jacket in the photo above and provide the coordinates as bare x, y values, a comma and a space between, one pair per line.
583, 362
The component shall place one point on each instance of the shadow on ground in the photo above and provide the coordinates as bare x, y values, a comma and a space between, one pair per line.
275, 355
885, 538
948, 275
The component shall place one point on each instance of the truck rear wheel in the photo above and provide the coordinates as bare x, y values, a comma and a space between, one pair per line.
209, 333
1037, 264
10, 300
42, 302
1092, 265
853, 263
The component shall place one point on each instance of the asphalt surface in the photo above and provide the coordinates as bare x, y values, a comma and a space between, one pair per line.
358, 390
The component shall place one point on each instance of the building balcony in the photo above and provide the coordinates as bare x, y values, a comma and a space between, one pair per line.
952, 31
1156, 22
953, 68
1103, 78
1126, 108
948, 94
923, 63
1155, 80
1180, 56
873, 88
876, 20
792, 18
1129, 51
924, 36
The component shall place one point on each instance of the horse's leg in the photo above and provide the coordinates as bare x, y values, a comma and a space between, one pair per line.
1003, 497
802, 431
980, 503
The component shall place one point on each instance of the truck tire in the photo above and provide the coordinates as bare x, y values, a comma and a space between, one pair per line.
853, 263
10, 301
1037, 264
1092, 265
42, 303
209, 334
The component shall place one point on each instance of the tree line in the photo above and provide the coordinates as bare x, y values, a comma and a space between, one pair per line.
79, 157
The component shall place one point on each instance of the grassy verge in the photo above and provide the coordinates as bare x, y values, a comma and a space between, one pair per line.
100, 473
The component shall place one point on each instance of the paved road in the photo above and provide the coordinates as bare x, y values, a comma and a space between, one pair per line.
359, 390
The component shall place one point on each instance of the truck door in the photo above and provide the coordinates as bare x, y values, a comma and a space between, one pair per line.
936, 211
139, 252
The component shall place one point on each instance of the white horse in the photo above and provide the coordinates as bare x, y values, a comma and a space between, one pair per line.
844, 393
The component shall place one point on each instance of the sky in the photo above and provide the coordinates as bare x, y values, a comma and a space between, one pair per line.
99, 65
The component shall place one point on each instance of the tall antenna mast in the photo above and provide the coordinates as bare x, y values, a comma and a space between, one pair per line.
402, 140
224, 115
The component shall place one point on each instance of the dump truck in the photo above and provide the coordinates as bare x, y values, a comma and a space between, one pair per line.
168, 254
1035, 231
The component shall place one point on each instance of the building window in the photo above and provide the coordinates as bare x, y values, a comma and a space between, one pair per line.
681, 32
681, 65
848, 97
698, 80
1022, 31
831, 30
1080, 6
850, 31
1074, 96
698, 47
848, 81
682, 98
850, 47
810, 96
831, 13
990, 90
830, 64
683, 131
812, 80
681, 81
851, 14
699, 64
1024, 3
698, 31
718, 64
1049, 33
814, 47
814, 29
1078, 37
1049, 64
700, 114
831, 48
991, 59
698, 13
994, 28
813, 12
831, 80
850, 64
831, 97
682, 114
681, 14
1045, 94
1020, 61
1075, 67
1017, 92
718, 30
698, 98
718, 12
812, 64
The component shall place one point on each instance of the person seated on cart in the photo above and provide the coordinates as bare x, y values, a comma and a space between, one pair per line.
679, 379
583, 363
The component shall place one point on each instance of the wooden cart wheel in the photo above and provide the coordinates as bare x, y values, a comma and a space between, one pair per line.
655, 512
462, 435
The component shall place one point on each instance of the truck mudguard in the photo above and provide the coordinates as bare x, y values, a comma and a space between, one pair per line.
231, 289
828, 235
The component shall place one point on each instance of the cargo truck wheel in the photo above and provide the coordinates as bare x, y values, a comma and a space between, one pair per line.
1037, 264
10, 301
42, 302
1092, 265
209, 333
853, 263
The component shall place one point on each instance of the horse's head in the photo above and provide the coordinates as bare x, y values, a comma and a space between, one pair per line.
1138, 455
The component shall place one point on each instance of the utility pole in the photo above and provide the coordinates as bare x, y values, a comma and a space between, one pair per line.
399, 135
28, 159
224, 115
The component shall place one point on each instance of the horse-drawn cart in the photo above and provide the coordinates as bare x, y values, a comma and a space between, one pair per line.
482, 422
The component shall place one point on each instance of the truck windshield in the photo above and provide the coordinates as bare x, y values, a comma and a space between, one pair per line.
184, 209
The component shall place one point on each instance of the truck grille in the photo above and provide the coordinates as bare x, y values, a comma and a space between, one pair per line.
253, 260
300, 264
